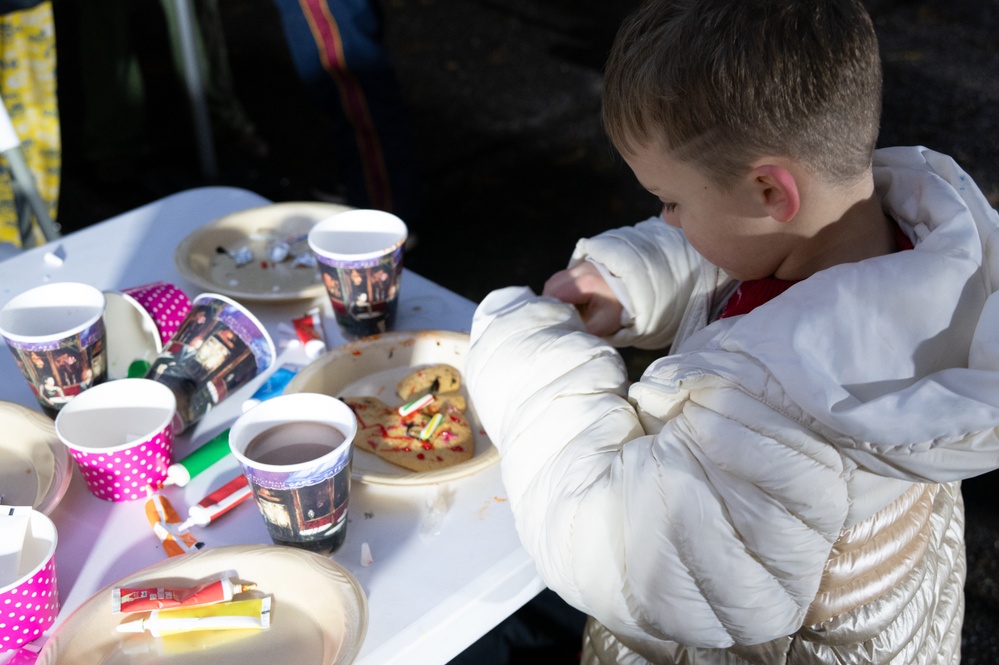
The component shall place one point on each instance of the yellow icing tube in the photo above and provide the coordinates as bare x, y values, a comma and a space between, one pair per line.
235, 614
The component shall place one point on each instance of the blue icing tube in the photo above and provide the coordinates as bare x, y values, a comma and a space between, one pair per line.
273, 386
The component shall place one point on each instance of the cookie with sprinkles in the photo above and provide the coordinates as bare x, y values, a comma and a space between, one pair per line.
434, 379
434, 436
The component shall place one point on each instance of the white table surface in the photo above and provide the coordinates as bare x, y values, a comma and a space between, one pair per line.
478, 573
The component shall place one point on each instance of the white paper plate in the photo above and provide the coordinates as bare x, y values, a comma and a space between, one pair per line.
35, 466
319, 614
373, 366
199, 259
131, 333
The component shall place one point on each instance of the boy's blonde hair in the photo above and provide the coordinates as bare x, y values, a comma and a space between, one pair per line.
720, 83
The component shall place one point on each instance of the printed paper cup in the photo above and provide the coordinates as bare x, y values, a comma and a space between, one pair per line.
360, 255
295, 451
57, 335
29, 605
121, 435
165, 303
218, 348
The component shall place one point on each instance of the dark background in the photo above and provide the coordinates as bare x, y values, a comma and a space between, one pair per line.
504, 99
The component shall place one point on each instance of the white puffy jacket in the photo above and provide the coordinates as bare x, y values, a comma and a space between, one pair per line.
783, 487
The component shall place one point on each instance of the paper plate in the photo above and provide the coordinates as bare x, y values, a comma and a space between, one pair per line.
205, 256
132, 334
35, 466
319, 614
373, 366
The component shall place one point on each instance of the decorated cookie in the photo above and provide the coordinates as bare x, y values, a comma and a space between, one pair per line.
434, 437
434, 379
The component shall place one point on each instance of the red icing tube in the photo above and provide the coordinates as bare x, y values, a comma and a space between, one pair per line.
218, 503
309, 328
145, 599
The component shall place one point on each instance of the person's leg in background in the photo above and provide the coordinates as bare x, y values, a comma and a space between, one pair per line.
114, 116
338, 53
231, 124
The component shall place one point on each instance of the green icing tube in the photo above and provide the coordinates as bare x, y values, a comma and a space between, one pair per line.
180, 473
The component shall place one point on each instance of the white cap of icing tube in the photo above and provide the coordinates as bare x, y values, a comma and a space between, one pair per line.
314, 348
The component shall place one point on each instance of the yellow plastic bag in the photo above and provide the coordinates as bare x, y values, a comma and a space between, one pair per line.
28, 88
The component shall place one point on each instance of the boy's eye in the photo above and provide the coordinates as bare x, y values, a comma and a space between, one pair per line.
668, 208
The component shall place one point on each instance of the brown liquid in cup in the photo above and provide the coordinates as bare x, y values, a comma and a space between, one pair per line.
294, 443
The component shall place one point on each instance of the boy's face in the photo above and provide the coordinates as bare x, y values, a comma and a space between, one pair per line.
729, 227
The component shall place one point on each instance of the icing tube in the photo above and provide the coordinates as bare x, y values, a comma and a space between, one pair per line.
165, 522
273, 386
234, 614
181, 472
309, 328
144, 599
218, 503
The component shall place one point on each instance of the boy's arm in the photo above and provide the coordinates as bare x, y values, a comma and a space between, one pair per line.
655, 269
584, 286
688, 524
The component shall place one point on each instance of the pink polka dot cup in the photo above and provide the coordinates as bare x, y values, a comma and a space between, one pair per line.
121, 437
29, 605
166, 303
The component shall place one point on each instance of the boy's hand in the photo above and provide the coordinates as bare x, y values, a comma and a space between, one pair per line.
584, 286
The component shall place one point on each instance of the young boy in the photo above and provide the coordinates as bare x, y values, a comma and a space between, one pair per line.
783, 487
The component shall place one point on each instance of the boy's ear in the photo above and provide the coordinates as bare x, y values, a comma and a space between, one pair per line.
777, 191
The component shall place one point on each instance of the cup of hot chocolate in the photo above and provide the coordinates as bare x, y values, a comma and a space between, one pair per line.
295, 451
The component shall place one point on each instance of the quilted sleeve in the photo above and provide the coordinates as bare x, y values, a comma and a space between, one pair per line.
656, 267
676, 520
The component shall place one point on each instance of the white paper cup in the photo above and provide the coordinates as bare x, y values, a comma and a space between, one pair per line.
302, 494
121, 436
57, 335
360, 254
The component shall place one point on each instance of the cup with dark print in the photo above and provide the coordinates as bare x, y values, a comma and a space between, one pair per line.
360, 254
57, 335
219, 347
